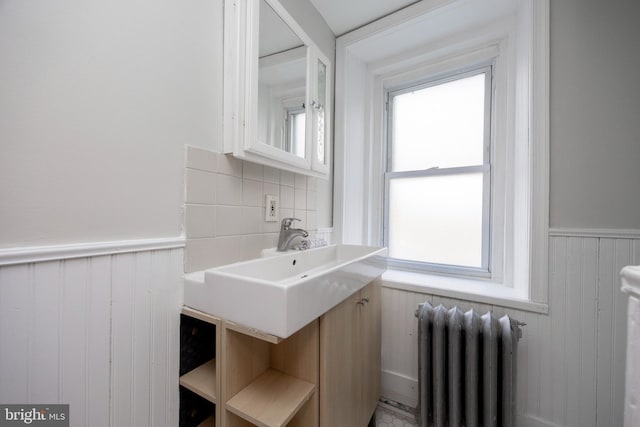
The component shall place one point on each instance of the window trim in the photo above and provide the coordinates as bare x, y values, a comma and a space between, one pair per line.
366, 55
485, 269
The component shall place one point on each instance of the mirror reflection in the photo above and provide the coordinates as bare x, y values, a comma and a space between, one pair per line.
282, 73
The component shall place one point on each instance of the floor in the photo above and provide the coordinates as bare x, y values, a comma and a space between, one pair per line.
390, 417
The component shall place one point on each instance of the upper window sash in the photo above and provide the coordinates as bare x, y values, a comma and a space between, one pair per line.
486, 69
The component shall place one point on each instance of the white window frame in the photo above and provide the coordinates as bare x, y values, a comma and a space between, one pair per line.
430, 81
519, 40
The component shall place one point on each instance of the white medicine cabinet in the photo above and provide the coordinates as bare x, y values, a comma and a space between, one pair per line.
276, 89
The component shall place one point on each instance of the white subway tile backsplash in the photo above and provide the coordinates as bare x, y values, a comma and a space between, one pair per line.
227, 250
312, 200
252, 193
312, 221
302, 216
286, 213
228, 220
270, 240
200, 221
229, 190
251, 246
201, 254
225, 207
271, 190
271, 175
286, 178
271, 226
287, 196
197, 158
312, 183
198, 254
300, 199
300, 181
200, 187
252, 171
229, 165
251, 220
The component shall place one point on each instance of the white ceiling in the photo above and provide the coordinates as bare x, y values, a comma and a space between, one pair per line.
343, 16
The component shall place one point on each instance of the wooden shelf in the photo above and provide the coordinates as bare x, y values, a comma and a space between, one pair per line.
209, 422
202, 381
271, 400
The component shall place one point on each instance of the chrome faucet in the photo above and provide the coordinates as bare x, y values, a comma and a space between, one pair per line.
287, 234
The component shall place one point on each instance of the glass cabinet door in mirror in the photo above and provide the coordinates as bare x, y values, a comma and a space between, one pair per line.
321, 103
320, 107
282, 85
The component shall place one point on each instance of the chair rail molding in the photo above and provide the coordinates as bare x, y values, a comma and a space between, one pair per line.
30, 254
606, 233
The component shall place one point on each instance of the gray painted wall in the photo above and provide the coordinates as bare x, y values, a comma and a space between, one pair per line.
97, 101
595, 114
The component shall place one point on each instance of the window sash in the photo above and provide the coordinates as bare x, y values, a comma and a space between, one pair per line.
485, 270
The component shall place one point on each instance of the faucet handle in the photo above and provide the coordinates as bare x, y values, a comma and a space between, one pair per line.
286, 222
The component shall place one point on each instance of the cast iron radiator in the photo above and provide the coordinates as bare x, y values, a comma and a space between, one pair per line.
467, 368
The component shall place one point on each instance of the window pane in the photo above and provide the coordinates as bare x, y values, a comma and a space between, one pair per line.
297, 134
439, 126
436, 219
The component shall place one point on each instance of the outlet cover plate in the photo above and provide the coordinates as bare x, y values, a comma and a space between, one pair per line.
271, 208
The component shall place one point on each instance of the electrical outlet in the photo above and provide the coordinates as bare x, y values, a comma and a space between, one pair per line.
271, 208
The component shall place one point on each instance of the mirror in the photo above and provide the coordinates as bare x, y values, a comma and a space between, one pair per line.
282, 85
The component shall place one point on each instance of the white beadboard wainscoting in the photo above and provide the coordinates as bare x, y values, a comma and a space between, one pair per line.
571, 361
99, 332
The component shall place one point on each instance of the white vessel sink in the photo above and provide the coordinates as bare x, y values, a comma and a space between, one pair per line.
281, 294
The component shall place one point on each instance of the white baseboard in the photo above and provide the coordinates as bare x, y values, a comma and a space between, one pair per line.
399, 388
527, 420
404, 390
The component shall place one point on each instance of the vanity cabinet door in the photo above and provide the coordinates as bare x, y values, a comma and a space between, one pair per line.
371, 361
350, 359
339, 382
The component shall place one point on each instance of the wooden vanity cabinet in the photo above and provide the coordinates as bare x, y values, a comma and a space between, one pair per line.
327, 374
350, 359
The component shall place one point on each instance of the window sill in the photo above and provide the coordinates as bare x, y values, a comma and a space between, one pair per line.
464, 289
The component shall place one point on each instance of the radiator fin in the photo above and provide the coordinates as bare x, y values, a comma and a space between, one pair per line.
467, 368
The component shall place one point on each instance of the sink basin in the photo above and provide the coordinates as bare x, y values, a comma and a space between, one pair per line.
274, 252
281, 294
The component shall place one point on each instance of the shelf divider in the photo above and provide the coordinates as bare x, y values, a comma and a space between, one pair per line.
202, 381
